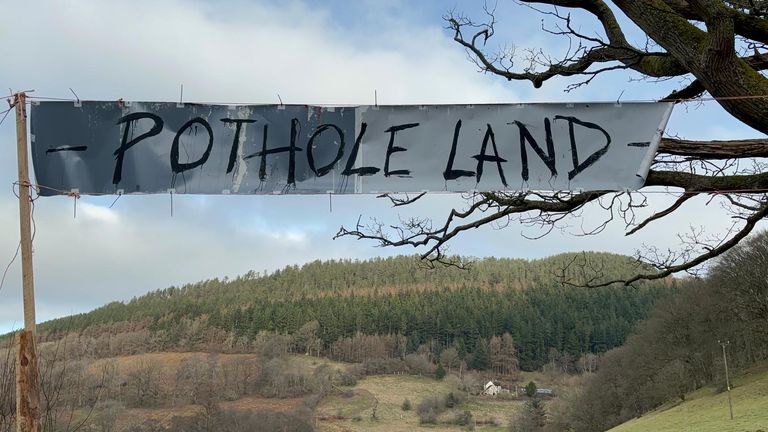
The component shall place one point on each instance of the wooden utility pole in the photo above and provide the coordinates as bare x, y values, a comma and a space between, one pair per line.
27, 374
727, 379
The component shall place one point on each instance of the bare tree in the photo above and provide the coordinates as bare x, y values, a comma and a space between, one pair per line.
7, 387
449, 358
69, 391
714, 47
143, 384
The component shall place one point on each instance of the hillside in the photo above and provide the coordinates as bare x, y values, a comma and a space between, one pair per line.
705, 410
396, 296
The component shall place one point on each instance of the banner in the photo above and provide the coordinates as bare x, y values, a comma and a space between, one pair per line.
157, 147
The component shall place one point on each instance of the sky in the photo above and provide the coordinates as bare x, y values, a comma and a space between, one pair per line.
307, 52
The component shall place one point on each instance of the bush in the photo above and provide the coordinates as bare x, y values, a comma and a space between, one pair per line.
429, 408
345, 378
406, 406
530, 389
299, 420
463, 418
312, 400
419, 364
428, 417
382, 366
356, 370
471, 383
531, 418
440, 372
454, 399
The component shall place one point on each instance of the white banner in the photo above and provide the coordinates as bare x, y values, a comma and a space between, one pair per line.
148, 147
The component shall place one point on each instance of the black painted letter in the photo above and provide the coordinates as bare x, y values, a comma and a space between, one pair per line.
236, 143
548, 159
362, 171
181, 167
450, 173
391, 148
581, 166
291, 149
482, 158
125, 144
310, 156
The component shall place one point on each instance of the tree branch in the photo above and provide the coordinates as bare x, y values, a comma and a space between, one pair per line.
656, 216
419, 232
655, 64
755, 183
728, 149
751, 221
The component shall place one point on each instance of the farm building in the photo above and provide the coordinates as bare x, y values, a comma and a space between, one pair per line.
491, 389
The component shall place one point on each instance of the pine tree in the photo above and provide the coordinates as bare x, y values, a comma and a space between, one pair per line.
440, 372
530, 389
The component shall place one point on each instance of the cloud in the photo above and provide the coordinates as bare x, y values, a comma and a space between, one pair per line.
249, 52
226, 52
243, 53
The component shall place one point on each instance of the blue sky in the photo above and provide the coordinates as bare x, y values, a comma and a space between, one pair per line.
334, 52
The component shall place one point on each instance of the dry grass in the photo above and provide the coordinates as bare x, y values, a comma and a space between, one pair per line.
255, 403
390, 391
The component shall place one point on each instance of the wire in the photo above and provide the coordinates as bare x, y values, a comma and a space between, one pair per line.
658, 192
679, 100
5, 114
34, 231
5, 273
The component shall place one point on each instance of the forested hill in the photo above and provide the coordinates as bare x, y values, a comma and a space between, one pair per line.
393, 296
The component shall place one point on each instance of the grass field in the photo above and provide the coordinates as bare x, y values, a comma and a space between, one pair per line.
706, 411
353, 411
349, 410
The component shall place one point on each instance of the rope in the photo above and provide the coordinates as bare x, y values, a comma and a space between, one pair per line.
34, 229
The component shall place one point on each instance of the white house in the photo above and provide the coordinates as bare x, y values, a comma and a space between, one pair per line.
491, 389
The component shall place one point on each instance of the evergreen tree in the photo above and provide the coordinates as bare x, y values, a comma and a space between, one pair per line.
530, 389
480, 359
440, 372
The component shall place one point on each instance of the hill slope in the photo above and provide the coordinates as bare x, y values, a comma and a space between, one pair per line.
331, 302
707, 411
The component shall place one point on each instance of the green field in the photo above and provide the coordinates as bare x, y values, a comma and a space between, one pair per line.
707, 411
387, 392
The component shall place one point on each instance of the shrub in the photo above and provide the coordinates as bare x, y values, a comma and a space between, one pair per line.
429, 408
429, 417
463, 418
419, 364
380, 366
440, 372
531, 418
345, 378
471, 383
454, 399
406, 406
530, 389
